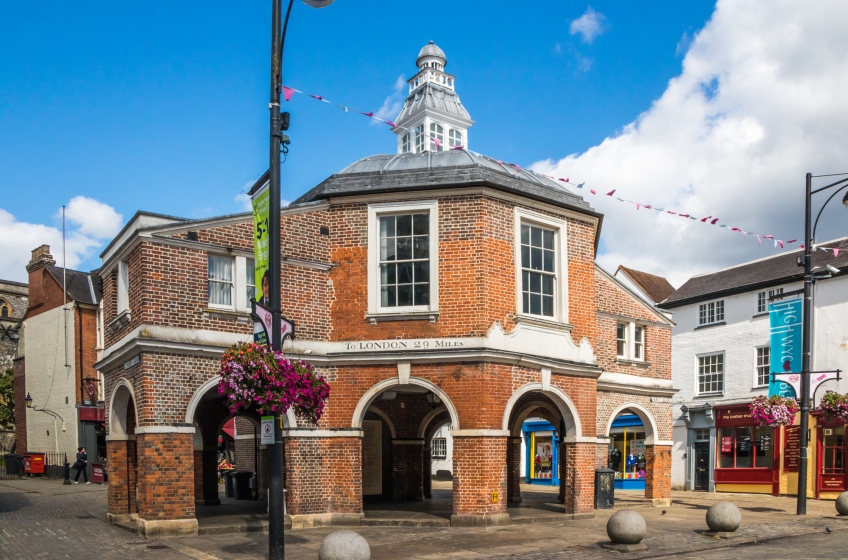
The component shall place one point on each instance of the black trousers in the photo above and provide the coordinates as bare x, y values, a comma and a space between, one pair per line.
84, 472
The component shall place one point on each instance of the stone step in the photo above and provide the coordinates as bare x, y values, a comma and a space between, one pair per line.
378, 522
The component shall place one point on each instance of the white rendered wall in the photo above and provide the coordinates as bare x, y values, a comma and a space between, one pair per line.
49, 382
445, 464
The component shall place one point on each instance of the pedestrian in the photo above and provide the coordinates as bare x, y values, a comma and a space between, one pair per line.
81, 466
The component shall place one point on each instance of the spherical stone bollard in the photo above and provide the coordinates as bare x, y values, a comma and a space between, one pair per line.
344, 545
626, 527
723, 517
842, 504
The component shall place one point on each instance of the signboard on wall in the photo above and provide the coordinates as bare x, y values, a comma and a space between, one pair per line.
792, 449
727, 444
785, 325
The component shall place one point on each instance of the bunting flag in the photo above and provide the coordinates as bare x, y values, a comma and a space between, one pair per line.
288, 93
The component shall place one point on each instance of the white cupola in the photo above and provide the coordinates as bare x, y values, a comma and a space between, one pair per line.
433, 118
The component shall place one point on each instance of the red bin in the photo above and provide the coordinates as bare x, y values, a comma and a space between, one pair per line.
33, 463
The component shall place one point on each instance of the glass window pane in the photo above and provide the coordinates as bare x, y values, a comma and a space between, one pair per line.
765, 451
536, 259
548, 285
535, 282
548, 239
422, 247
744, 448
422, 294
535, 304
526, 302
422, 272
525, 281
388, 274
220, 268
421, 224
525, 256
548, 306
536, 237
387, 249
404, 295
404, 225
725, 448
525, 235
387, 296
404, 247
404, 273
548, 262
387, 226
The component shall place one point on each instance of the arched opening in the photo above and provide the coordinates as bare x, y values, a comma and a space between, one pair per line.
122, 453
632, 432
399, 422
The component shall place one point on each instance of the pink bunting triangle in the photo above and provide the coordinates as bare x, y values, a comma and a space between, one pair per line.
318, 97
835, 252
713, 222
287, 93
390, 123
612, 192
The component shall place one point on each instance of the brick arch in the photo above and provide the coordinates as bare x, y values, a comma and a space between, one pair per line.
524, 408
385, 418
564, 405
371, 395
643, 414
122, 396
289, 420
433, 415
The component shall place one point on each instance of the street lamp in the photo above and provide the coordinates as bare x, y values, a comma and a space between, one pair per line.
807, 336
276, 546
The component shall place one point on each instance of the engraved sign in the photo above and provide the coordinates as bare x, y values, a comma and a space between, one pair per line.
133, 361
395, 345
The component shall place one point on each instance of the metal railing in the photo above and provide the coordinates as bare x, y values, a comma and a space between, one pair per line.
12, 465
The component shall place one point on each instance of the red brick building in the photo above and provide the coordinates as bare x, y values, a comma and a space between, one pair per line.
430, 287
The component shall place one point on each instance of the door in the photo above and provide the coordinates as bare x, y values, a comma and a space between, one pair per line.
702, 465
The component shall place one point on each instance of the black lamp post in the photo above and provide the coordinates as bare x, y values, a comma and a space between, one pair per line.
807, 337
276, 546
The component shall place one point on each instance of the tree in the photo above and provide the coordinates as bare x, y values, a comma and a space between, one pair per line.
7, 399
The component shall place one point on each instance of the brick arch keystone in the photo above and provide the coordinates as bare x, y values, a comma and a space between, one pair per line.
289, 420
371, 395
643, 414
565, 406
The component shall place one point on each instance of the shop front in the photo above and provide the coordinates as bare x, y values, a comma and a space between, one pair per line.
747, 455
542, 453
831, 473
627, 452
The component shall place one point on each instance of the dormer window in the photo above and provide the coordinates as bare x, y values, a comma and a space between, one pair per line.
419, 138
437, 137
455, 138
405, 144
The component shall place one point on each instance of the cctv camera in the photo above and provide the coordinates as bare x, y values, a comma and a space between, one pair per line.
832, 269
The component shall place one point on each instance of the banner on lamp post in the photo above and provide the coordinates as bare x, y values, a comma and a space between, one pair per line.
785, 327
262, 320
261, 201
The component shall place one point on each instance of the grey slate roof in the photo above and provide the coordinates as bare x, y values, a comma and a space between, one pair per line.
387, 173
432, 96
760, 274
82, 287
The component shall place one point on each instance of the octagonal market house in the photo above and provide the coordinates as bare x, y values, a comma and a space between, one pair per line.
431, 287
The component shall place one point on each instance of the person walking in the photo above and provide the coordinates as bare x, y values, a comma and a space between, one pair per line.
81, 465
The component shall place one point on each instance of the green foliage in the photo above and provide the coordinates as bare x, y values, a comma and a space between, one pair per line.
7, 399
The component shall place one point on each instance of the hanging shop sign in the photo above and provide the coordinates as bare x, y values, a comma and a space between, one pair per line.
785, 326
793, 380
262, 320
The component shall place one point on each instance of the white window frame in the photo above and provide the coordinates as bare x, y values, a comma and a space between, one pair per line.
723, 373
630, 341
529, 217
406, 143
705, 307
757, 367
239, 286
762, 302
437, 132
123, 287
640, 344
454, 138
626, 353
419, 138
443, 443
383, 209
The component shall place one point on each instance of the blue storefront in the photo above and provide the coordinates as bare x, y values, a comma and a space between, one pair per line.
627, 452
541, 453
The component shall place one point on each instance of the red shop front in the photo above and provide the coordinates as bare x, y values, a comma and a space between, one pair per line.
747, 455
831, 474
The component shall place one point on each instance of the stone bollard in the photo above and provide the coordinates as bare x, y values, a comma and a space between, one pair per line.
626, 529
344, 545
842, 504
723, 518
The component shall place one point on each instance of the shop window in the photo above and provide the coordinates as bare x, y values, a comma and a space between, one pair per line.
833, 450
439, 448
402, 253
745, 448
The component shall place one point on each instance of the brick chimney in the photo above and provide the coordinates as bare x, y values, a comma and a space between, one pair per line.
40, 257
38, 286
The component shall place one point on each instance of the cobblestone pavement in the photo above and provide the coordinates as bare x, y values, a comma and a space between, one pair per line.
45, 520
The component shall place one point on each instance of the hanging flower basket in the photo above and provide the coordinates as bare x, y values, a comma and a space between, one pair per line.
773, 411
834, 408
254, 378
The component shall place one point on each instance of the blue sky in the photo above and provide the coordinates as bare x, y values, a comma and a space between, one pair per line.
712, 108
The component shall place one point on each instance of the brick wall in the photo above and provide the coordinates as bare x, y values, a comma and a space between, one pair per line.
85, 352
513, 465
658, 472
579, 478
323, 475
407, 470
661, 412
479, 471
166, 476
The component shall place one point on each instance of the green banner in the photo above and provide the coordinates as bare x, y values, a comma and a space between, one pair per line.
261, 241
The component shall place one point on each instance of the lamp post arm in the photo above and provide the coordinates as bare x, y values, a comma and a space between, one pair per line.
50, 412
837, 191
283, 45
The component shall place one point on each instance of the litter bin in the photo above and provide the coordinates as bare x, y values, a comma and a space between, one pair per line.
604, 488
13, 464
228, 484
34, 463
241, 485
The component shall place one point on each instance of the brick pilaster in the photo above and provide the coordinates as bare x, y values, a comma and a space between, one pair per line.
120, 500
165, 476
579, 478
513, 469
479, 480
323, 475
658, 474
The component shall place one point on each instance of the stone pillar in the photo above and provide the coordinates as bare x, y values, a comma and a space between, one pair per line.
513, 469
165, 481
407, 470
579, 479
479, 477
427, 477
658, 474
121, 492
323, 474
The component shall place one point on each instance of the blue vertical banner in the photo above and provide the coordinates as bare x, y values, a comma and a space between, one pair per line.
785, 328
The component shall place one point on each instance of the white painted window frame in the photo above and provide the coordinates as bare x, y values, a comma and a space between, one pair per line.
697, 390
560, 255
715, 303
757, 384
444, 448
123, 287
239, 286
389, 208
626, 341
630, 341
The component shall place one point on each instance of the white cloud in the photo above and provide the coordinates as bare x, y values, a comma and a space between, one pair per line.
589, 25
394, 103
244, 202
759, 102
89, 224
558, 48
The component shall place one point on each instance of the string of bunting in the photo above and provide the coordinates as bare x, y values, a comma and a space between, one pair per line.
288, 92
